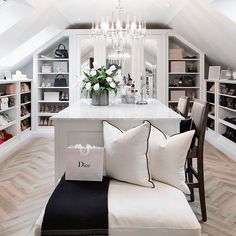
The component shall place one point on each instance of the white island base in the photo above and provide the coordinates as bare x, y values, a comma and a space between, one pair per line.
81, 123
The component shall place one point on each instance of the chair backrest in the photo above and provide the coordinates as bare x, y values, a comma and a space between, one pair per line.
183, 106
199, 114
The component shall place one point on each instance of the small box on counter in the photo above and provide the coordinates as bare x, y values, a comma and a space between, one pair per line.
51, 96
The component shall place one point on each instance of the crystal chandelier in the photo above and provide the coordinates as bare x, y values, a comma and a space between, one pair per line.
118, 57
121, 29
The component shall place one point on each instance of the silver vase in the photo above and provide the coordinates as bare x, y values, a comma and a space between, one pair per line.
101, 99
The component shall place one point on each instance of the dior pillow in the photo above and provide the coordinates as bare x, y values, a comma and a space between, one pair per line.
126, 152
167, 157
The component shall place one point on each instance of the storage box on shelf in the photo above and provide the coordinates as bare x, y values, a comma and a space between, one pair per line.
185, 70
52, 75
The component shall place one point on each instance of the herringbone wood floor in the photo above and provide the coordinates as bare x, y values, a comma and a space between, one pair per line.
27, 180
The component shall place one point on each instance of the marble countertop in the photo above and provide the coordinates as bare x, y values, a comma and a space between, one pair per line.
84, 110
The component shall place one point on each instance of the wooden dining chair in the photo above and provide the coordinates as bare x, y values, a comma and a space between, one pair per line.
183, 106
199, 116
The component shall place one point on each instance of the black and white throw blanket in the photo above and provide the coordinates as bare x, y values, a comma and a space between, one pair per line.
77, 208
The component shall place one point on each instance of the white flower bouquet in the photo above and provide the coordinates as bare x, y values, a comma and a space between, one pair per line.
101, 80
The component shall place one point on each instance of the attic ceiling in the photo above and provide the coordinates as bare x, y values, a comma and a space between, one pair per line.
205, 23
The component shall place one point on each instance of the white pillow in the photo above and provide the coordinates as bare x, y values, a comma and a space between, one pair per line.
126, 156
167, 157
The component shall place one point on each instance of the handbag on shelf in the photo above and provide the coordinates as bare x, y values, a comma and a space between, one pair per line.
84, 163
61, 51
60, 81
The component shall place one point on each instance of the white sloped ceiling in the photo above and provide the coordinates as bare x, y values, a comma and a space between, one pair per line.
199, 21
208, 29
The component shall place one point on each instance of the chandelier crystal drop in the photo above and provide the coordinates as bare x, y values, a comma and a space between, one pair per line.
121, 28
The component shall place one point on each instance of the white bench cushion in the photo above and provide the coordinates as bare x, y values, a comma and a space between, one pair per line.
159, 211
139, 211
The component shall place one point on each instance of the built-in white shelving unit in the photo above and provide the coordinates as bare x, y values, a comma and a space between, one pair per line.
51, 99
221, 95
185, 70
16, 121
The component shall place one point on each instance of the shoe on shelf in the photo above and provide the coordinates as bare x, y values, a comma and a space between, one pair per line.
57, 109
4, 135
43, 83
45, 122
66, 97
62, 98
46, 109
41, 122
42, 108
49, 122
48, 84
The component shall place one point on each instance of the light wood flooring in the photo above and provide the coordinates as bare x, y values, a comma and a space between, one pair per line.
27, 179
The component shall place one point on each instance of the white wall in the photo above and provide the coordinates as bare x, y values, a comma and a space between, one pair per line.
202, 25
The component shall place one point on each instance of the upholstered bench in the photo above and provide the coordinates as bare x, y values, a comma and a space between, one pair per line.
135, 210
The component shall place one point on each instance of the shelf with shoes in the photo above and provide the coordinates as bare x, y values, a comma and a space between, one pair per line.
25, 124
210, 97
223, 112
25, 106
8, 111
45, 121
227, 111
51, 71
185, 70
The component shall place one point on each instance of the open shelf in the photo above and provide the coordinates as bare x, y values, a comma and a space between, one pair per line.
8, 109
229, 109
25, 117
53, 87
211, 116
43, 101
183, 73
185, 59
9, 95
54, 73
184, 87
8, 125
25, 103
53, 59
227, 95
226, 123
52, 66
185, 70
25, 92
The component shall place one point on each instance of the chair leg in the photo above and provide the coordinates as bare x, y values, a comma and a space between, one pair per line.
190, 179
202, 201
